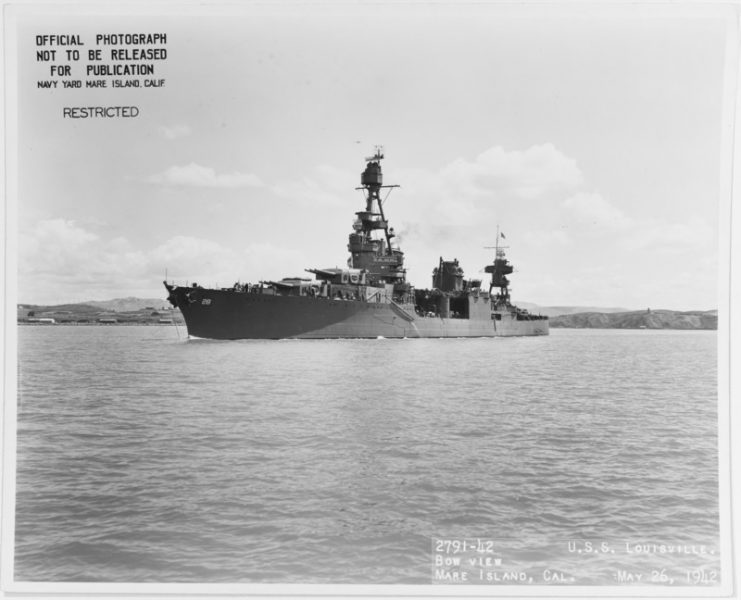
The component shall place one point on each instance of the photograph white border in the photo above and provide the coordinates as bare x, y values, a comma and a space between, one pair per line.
729, 327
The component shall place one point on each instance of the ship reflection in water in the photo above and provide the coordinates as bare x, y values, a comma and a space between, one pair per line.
371, 298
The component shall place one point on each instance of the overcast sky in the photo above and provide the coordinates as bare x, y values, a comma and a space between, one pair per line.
592, 140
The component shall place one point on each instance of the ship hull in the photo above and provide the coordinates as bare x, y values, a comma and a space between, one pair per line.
227, 315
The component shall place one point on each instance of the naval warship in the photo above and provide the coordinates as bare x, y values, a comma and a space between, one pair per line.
371, 298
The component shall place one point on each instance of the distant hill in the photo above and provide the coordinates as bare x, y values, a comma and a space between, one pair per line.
554, 311
62, 308
128, 304
121, 310
644, 319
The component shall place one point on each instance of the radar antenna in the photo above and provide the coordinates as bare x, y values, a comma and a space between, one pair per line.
377, 156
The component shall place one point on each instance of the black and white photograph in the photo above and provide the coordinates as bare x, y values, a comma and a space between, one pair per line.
369, 299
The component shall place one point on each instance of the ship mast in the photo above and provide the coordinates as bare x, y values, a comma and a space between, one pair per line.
499, 270
376, 256
372, 183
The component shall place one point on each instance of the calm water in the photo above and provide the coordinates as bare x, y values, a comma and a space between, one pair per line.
145, 457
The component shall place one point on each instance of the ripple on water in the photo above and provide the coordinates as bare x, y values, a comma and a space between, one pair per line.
142, 457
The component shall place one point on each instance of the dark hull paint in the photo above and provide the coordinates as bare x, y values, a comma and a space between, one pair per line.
226, 314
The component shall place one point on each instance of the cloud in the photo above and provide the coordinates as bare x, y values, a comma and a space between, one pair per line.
53, 243
194, 175
190, 250
673, 238
459, 213
306, 191
64, 232
462, 202
537, 195
457, 191
591, 208
546, 239
60, 261
528, 174
175, 132
497, 186
327, 186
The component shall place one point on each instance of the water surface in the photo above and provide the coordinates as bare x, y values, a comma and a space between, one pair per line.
145, 457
